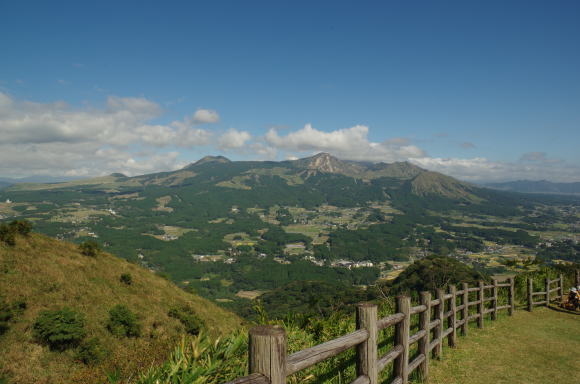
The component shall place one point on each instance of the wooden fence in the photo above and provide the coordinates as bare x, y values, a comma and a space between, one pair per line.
547, 292
439, 319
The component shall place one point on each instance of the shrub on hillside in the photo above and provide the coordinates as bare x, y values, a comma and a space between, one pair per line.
188, 318
123, 322
435, 272
9, 231
89, 248
91, 351
60, 329
8, 312
126, 278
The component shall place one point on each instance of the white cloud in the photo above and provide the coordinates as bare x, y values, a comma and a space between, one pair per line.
205, 116
482, 169
57, 138
347, 143
234, 139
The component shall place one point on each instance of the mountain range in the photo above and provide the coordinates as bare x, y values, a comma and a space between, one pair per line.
537, 186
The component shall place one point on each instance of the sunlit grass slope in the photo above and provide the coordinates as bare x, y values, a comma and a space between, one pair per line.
530, 348
48, 274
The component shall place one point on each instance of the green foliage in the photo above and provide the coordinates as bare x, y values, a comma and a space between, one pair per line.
9, 312
188, 318
126, 278
89, 248
310, 298
60, 329
202, 360
91, 351
123, 322
434, 272
9, 231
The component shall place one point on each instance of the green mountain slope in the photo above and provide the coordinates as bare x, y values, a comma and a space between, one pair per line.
47, 274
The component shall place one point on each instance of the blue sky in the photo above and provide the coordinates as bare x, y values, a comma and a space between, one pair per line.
479, 90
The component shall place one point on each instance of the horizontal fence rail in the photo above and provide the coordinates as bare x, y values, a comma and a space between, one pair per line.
439, 319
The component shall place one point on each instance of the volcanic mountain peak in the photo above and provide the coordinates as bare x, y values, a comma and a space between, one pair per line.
210, 159
326, 163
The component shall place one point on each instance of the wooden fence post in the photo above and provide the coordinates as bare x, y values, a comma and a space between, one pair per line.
547, 286
452, 319
561, 286
438, 334
494, 293
366, 318
481, 305
401, 365
511, 298
268, 352
424, 321
530, 294
578, 278
465, 302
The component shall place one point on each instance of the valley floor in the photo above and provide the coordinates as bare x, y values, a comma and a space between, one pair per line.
530, 348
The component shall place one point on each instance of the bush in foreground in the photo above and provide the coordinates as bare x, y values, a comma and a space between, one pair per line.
188, 318
91, 351
60, 329
89, 248
123, 322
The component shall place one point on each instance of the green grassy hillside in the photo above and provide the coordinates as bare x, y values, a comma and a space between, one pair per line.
40, 274
528, 348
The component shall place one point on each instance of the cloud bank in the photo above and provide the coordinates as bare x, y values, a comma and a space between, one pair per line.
123, 135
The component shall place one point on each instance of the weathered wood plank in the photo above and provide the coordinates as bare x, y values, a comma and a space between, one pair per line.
488, 286
438, 331
433, 344
474, 289
447, 314
504, 307
539, 293
494, 300
268, 352
256, 378
452, 318
547, 291
472, 303
500, 285
447, 296
361, 380
434, 323
418, 309
401, 365
465, 312
390, 321
488, 310
310, 356
366, 318
557, 289
541, 303
416, 362
435, 302
397, 380
459, 308
473, 317
561, 286
424, 325
447, 332
511, 296
389, 357
481, 306
417, 336
530, 294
